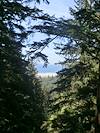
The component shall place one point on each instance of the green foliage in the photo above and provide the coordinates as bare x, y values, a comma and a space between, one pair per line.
73, 109
77, 94
20, 93
74, 97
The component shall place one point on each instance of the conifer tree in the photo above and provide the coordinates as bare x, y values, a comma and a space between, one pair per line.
80, 81
21, 109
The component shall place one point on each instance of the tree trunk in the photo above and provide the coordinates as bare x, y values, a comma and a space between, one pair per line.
97, 128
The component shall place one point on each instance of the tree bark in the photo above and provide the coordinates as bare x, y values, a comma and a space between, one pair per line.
97, 128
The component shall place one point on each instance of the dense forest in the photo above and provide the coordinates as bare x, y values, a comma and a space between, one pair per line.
67, 103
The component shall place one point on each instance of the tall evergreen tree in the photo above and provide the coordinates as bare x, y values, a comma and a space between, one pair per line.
21, 109
83, 48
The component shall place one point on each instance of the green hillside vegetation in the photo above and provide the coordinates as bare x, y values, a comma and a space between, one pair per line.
48, 83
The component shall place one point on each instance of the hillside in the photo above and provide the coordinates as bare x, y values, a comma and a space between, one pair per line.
48, 82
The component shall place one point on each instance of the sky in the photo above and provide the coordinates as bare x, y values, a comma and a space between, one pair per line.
59, 8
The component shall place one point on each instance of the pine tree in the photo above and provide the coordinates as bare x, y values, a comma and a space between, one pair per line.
20, 94
80, 81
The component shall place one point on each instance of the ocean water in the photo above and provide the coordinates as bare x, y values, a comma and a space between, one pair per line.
49, 69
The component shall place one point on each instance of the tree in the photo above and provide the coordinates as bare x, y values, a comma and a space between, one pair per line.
20, 94
83, 48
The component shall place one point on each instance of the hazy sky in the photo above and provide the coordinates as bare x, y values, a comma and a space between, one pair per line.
59, 8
